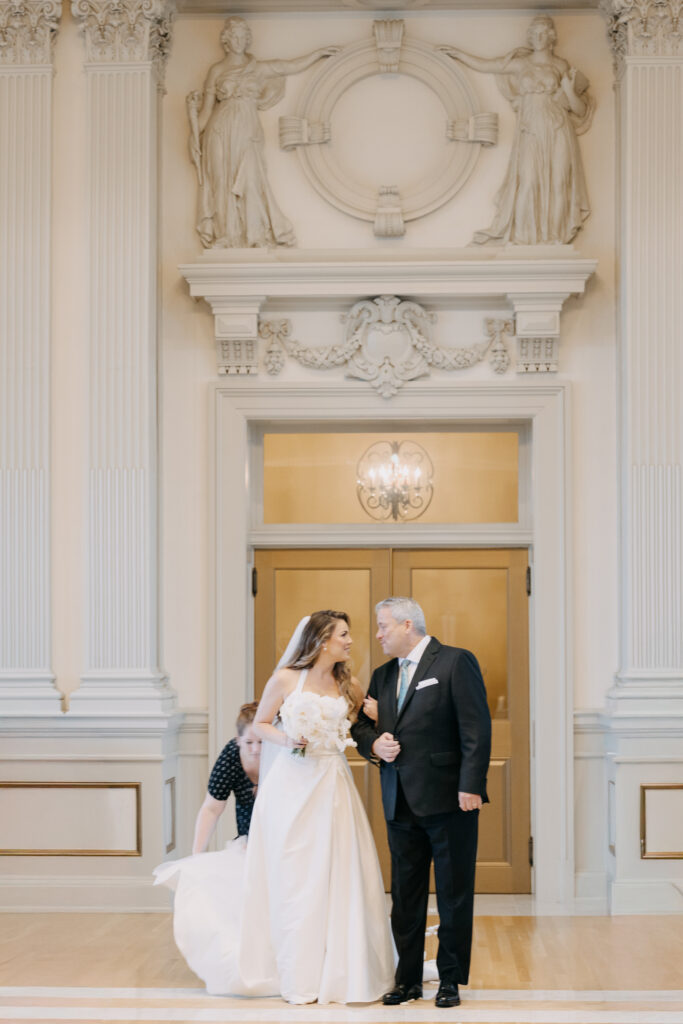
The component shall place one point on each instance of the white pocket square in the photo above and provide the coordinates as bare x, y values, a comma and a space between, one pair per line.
427, 682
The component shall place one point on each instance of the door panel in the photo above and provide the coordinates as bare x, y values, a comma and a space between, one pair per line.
475, 599
293, 583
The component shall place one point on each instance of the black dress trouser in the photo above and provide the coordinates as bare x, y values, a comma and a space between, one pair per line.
451, 841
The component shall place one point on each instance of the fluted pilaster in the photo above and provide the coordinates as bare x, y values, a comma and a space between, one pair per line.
122, 655
649, 62
27, 32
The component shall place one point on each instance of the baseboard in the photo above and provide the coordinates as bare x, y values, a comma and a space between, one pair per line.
661, 897
31, 894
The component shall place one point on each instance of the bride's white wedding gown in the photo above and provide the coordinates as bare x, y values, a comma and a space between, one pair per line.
303, 912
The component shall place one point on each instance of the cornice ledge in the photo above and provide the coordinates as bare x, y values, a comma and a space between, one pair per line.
28, 29
534, 281
308, 274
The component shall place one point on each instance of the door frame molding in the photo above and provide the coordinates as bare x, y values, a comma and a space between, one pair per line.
235, 408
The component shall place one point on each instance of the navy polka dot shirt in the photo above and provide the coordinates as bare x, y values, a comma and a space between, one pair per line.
228, 776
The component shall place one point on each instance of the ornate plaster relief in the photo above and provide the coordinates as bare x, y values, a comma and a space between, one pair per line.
387, 342
466, 129
643, 28
543, 198
28, 29
240, 291
236, 205
122, 31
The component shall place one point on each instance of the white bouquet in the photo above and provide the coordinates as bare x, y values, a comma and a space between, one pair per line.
320, 721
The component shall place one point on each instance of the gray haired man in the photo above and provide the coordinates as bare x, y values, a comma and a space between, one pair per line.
432, 740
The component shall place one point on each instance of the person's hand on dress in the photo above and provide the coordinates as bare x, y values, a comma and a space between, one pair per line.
370, 709
469, 801
386, 748
296, 744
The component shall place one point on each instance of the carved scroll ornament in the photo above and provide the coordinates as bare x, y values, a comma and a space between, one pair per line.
387, 342
27, 30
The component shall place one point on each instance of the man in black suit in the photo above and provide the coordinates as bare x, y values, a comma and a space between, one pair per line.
432, 740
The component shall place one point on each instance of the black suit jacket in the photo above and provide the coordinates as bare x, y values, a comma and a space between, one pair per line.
444, 729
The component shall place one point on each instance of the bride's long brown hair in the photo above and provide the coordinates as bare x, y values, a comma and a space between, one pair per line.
315, 635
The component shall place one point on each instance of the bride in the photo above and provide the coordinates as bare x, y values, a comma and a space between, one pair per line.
303, 914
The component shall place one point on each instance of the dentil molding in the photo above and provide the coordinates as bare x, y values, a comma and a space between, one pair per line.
122, 31
643, 28
241, 290
28, 29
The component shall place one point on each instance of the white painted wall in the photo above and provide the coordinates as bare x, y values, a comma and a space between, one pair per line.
188, 357
188, 369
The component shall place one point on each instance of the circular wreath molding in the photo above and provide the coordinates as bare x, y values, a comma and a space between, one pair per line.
466, 128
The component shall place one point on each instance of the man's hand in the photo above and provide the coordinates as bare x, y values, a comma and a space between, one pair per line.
386, 747
468, 801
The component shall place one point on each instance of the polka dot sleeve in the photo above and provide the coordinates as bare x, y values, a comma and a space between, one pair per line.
228, 776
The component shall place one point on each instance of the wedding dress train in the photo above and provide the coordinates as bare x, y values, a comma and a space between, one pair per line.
302, 913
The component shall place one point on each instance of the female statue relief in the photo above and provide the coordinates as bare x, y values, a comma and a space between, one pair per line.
543, 197
236, 205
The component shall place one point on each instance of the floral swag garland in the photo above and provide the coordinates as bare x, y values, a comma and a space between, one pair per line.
388, 342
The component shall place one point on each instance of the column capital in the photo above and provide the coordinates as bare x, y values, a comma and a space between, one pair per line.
643, 28
126, 31
28, 29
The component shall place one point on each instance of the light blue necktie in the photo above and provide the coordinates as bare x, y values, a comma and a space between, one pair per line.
403, 683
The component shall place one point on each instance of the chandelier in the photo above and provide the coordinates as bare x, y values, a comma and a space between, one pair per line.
394, 480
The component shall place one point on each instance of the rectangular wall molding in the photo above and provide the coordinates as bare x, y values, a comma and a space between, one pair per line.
70, 819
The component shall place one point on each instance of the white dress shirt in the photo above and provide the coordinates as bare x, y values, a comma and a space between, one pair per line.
414, 659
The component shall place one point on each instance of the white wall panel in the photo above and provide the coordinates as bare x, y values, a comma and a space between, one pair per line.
86, 819
662, 821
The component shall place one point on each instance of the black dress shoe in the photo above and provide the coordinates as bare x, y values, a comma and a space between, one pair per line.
447, 995
402, 993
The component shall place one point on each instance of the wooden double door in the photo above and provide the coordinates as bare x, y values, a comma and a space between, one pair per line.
471, 598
